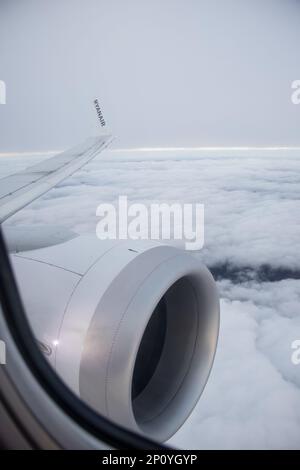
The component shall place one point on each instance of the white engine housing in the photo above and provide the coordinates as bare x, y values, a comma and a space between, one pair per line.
131, 327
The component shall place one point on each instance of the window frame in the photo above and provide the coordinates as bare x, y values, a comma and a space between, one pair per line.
20, 334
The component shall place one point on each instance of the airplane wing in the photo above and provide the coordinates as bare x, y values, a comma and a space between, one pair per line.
20, 189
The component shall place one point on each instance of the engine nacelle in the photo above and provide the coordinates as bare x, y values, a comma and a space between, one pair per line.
131, 327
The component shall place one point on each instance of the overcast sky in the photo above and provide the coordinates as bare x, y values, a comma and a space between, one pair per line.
167, 73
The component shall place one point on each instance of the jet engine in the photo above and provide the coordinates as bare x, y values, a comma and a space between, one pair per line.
130, 326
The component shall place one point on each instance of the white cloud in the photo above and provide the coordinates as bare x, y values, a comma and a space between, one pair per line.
252, 208
252, 399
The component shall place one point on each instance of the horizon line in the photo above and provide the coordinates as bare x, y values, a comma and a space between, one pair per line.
166, 149
154, 149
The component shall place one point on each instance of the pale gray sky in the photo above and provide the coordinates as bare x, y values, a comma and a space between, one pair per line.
167, 73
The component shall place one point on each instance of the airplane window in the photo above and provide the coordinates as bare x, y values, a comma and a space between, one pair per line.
149, 201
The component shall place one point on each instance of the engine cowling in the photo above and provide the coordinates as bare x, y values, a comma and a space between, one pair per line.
131, 327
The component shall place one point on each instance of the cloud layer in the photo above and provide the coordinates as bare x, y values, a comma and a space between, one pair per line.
252, 243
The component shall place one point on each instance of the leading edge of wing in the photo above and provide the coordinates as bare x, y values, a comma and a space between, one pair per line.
20, 189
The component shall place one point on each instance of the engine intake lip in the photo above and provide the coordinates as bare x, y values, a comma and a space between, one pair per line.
174, 381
